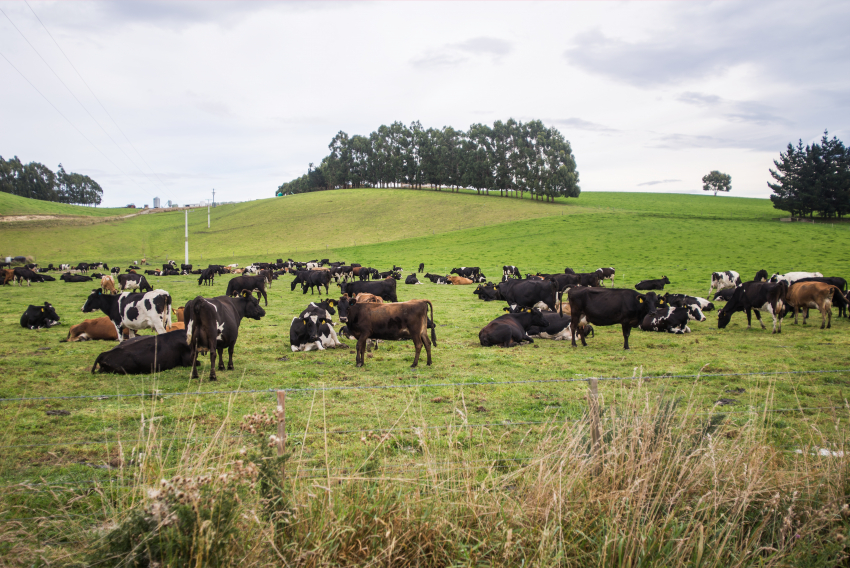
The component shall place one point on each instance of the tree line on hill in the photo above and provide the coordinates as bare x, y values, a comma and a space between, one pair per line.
37, 181
512, 157
813, 179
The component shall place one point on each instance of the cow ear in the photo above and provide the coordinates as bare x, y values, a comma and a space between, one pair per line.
331, 303
506, 309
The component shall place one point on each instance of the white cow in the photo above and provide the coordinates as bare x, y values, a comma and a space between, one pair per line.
791, 277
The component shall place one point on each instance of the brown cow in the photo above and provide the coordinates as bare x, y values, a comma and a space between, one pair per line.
400, 320
365, 298
107, 284
458, 280
179, 313
8, 276
812, 295
99, 328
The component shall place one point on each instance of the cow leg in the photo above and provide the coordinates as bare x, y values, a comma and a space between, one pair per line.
194, 373
417, 344
758, 317
212, 363
627, 329
427, 343
823, 313
229, 357
749, 318
361, 350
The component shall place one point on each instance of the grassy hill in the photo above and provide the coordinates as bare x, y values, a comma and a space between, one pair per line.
15, 205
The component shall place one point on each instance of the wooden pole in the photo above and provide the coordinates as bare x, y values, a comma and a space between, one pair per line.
281, 426
593, 403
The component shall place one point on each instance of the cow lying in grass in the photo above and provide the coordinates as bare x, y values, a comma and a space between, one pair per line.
512, 328
673, 319
147, 354
39, 317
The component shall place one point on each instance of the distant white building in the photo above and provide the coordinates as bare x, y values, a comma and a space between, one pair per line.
156, 202
169, 203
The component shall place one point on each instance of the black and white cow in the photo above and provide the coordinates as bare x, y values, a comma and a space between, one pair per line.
657, 284
134, 311
606, 274
755, 296
672, 319
558, 328
721, 280
39, 317
436, 278
22, 274
511, 271
411, 279
466, 271
791, 277
213, 324
512, 328
304, 333
133, 282
761, 276
322, 313
682, 300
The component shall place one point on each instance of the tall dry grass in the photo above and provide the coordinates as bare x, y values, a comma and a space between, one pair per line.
670, 487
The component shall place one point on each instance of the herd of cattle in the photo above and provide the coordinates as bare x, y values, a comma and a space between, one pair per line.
369, 308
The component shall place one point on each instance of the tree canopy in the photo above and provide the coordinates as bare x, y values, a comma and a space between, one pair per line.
716, 181
813, 179
511, 157
37, 181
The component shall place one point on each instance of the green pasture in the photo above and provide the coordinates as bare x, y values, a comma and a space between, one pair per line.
641, 235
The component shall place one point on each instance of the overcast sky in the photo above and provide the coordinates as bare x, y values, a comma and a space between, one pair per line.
173, 99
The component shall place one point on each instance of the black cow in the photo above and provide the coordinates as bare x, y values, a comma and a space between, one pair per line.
411, 279
672, 319
82, 267
133, 282
724, 294
316, 279
605, 306
510, 271
46, 278
512, 328
250, 283
569, 270
117, 270
526, 293
185, 267
755, 296
68, 277
657, 284
421, 267
147, 354
22, 274
487, 292
170, 273
436, 278
761, 276
466, 271
386, 289
207, 277
38, 317
558, 328
213, 324
300, 276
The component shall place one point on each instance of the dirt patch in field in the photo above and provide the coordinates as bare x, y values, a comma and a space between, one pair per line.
14, 218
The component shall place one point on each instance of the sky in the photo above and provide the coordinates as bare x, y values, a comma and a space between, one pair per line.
175, 99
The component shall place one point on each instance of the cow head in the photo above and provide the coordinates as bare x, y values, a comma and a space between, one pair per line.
343, 305
724, 316
695, 313
97, 300
586, 329
330, 303
651, 301
50, 313
537, 317
665, 279
253, 309
307, 327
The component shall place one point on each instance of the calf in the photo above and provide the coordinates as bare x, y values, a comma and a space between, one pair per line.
207, 277
512, 328
133, 282
606, 274
107, 284
813, 295
149, 310
93, 329
39, 317
421, 267
386, 289
148, 354
411, 279
682, 301
8, 275
838, 299
558, 328
752, 297
721, 280
250, 283
402, 320
657, 284
213, 324
672, 319
511, 271
68, 277
610, 307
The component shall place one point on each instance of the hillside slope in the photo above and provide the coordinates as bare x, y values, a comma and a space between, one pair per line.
15, 205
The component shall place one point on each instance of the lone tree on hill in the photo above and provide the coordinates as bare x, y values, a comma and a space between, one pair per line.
716, 181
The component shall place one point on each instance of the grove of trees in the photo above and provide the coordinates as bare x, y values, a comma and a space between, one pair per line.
37, 181
813, 179
512, 157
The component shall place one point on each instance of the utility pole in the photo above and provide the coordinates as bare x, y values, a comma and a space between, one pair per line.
187, 236
213, 197
208, 215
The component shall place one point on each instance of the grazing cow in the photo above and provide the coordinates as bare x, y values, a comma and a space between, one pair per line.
135, 311
724, 295
558, 328
512, 328
459, 280
22, 274
317, 279
213, 324
403, 320
721, 280
601, 306
657, 284
813, 295
300, 277
682, 301
673, 319
386, 289
526, 293
237, 285
755, 296
39, 317
421, 267
564, 281
466, 271
511, 271
436, 278
487, 292
146, 354
207, 277
117, 270
82, 267
606, 274
134, 281
791, 277
838, 298
68, 277
107, 284
411, 279
761, 276
93, 329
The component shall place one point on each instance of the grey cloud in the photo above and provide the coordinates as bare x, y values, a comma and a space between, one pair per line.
678, 141
485, 46
736, 111
698, 99
438, 59
454, 54
581, 124
658, 182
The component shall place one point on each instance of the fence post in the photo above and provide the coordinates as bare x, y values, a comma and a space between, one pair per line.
593, 404
281, 426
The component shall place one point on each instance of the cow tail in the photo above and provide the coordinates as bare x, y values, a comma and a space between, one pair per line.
167, 314
433, 329
561, 303
96, 361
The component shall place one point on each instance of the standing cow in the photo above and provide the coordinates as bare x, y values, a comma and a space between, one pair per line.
135, 311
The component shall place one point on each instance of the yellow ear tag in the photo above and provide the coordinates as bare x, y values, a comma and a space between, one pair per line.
42, 309
304, 322
640, 300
